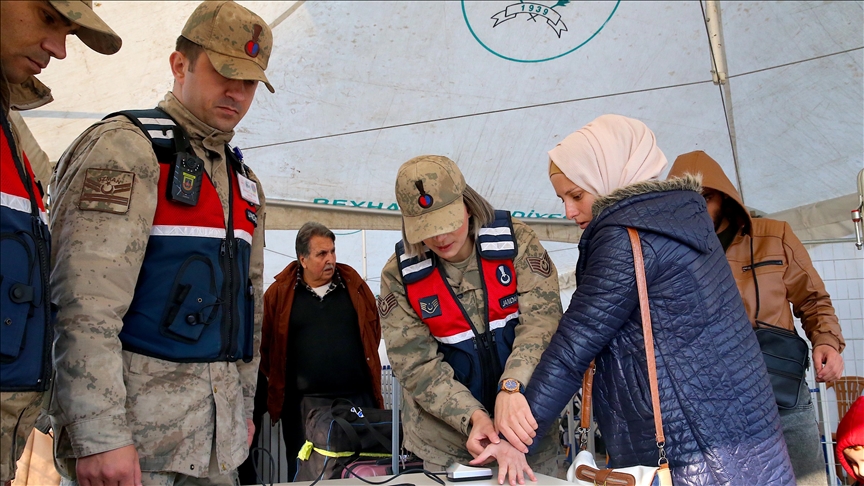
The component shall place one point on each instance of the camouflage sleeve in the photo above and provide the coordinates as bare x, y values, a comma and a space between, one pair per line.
249, 371
415, 359
105, 192
539, 304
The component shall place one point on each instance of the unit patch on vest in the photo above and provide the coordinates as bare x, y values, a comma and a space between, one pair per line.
252, 217
505, 276
540, 265
509, 300
430, 307
107, 190
386, 305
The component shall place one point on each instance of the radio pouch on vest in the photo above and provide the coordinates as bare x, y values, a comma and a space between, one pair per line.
170, 143
787, 358
186, 171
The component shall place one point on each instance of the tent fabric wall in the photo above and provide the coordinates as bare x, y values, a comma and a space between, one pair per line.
824, 220
364, 86
818, 221
291, 215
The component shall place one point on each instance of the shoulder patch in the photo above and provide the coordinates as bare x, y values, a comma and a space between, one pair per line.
106, 190
386, 305
540, 265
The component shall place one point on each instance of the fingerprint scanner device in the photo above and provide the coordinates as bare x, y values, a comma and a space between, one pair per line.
458, 472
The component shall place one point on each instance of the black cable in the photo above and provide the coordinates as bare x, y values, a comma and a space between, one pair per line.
350, 469
428, 474
320, 475
258, 476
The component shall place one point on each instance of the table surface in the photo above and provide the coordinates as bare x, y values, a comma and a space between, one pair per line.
422, 480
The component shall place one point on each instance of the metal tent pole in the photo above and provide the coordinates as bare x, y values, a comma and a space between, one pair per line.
397, 393
826, 432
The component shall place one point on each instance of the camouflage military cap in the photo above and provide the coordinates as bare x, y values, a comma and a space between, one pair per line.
94, 32
429, 192
237, 41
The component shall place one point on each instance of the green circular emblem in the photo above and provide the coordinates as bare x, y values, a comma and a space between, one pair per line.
528, 31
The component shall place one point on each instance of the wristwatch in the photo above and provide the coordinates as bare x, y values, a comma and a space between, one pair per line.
511, 385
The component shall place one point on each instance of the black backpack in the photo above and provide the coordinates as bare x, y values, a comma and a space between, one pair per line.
341, 433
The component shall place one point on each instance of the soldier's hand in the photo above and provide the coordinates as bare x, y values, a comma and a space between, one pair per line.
250, 432
482, 433
511, 463
513, 418
119, 467
827, 362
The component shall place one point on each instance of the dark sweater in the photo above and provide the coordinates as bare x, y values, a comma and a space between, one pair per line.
325, 352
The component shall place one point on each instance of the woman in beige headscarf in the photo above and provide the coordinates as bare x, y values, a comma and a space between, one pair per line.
720, 422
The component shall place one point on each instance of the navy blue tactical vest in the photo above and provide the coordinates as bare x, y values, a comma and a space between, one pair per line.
26, 318
194, 300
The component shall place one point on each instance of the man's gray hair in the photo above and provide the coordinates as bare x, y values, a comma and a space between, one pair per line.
304, 236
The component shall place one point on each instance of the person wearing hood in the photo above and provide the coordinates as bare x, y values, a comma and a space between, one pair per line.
320, 337
718, 415
773, 270
31, 33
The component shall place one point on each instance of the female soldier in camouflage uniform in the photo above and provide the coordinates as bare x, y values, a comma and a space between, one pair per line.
468, 303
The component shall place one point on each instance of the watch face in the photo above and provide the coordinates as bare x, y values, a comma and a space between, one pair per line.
511, 385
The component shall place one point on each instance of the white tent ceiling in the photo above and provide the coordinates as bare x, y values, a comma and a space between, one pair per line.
363, 86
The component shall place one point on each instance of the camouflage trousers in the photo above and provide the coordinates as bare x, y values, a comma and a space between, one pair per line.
215, 478
18, 413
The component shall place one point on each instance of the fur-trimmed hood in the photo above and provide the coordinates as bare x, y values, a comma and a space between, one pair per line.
674, 208
688, 182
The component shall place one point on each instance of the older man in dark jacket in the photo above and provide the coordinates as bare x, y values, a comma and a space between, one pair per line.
320, 336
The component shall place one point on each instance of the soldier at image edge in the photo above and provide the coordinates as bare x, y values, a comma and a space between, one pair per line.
31, 33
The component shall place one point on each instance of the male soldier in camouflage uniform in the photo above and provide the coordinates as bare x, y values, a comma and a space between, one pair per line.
163, 410
31, 33
448, 401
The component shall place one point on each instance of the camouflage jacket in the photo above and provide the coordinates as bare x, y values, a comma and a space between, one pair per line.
105, 398
437, 408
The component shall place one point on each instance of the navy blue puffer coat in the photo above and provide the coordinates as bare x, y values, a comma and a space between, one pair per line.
719, 415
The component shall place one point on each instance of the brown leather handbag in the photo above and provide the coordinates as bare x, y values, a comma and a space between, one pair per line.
584, 470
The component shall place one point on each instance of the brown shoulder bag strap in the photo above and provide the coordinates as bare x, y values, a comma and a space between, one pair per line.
585, 419
648, 335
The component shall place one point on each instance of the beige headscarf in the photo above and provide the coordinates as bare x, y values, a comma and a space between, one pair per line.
610, 152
